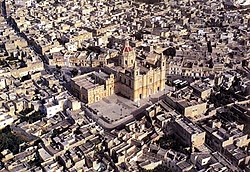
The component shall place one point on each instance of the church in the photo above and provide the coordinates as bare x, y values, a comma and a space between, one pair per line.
134, 78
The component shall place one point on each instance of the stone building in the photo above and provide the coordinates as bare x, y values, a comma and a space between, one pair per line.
186, 103
137, 79
93, 86
189, 133
129, 77
190, 67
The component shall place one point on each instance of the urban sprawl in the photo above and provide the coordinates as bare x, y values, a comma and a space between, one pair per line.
125, 85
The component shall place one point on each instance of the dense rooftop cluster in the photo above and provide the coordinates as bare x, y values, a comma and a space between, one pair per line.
124, 85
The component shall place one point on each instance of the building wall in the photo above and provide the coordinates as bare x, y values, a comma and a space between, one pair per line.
243, 141
195, 110
38, 66
137, 86
5, 120
148, 84
140, 86
106, 88
76, 89
205, 94
125, 90
96, 94
198, 139
52, 110
2, 83
178, 69
192, 140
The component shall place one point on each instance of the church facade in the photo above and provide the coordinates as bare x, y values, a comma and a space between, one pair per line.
138, 79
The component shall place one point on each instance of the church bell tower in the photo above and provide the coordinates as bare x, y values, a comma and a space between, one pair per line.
127, 57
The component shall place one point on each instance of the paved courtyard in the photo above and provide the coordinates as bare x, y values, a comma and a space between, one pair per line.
114, 108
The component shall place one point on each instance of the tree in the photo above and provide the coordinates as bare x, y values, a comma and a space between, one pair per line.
9, 141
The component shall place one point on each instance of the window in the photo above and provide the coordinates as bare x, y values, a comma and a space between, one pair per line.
126, 62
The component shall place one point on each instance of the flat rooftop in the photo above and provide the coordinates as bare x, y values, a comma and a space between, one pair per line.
186, 103
188, 126
102, 75
200, 86
88, 81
